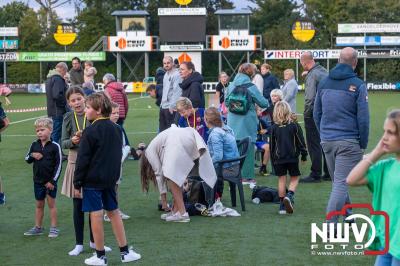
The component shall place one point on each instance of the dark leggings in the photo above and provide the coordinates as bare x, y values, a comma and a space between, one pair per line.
79, 222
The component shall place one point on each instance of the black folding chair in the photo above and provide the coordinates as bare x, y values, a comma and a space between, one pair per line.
235, 179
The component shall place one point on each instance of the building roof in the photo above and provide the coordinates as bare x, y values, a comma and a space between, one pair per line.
130, 13
233, 12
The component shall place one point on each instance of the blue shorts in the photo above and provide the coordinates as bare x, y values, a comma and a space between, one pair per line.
259, 144
41, 191
95, 199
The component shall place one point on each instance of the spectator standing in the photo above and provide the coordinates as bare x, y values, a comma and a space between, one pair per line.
270, 82
223, 80
245, 125
290, 89
191, 85
342, 117
171, 93
76, 73
315, 73
160, 72
116, 92
258, 80
56, 88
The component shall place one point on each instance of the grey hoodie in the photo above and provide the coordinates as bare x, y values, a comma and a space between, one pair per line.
314, 76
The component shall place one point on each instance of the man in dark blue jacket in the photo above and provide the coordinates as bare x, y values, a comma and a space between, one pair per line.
342, 117
270, 82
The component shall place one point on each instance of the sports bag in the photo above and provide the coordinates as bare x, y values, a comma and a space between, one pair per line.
265, 194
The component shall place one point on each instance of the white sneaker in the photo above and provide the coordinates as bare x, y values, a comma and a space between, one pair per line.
178, 218
106, 218
76, 251
93, 246
130, 256
165, 215
94, 260
124, 216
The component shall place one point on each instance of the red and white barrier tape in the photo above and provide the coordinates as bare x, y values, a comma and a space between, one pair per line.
27, 110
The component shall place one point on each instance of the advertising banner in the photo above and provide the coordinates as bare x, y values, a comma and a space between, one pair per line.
8, 57
368, 27
295, 54
182, 47
129, 44
188, 11
8, 31
233, 42
60, 56
8, 44
330, 54
367, 40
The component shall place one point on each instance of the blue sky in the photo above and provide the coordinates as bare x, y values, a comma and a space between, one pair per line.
67, 11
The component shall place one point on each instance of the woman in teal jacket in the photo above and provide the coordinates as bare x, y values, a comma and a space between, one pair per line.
246, 125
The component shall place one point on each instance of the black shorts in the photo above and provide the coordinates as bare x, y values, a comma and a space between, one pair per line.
41, 191
282, 169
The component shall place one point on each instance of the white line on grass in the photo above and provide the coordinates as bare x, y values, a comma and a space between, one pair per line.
25, 120
13, 136
134, 99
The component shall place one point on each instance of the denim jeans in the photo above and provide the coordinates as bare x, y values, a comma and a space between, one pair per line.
57, 128
387, 260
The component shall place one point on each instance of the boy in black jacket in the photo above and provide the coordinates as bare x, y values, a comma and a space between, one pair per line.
287, 143
45, 155
97, 170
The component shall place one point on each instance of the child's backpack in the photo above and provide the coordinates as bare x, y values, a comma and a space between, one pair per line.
239, 100
265, 194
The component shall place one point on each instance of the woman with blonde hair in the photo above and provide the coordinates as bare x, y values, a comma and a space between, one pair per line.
222, 145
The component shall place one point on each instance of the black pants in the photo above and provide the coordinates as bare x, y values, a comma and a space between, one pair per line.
166, 119
79, 222
314, 148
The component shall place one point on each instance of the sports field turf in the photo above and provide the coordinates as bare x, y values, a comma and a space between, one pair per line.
259, 237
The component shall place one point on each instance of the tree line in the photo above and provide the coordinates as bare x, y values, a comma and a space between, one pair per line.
273, 19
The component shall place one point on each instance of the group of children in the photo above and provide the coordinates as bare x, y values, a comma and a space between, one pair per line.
97, 148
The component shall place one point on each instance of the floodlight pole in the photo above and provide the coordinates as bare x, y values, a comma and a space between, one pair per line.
219, 62
118, 28
365, 58
146, 64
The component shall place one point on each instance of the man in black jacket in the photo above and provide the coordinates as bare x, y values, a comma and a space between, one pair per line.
191, 85
56, 88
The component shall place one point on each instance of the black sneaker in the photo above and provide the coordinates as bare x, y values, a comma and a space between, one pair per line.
282, 209
310, 179
262, 170
326, 177
288, 203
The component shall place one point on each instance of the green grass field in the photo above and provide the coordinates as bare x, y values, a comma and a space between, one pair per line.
259, 237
